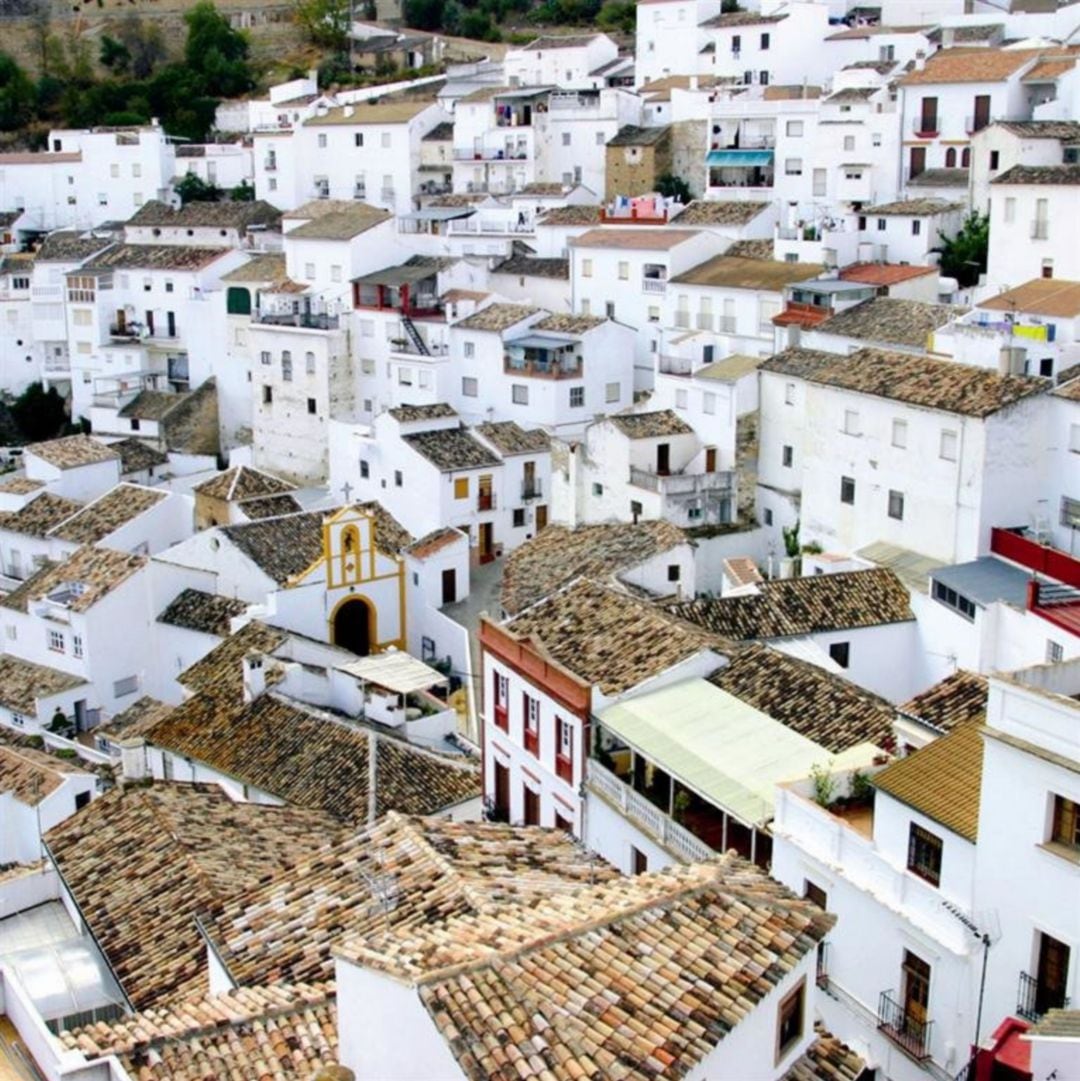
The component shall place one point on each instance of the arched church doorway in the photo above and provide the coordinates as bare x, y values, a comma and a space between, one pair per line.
352, 626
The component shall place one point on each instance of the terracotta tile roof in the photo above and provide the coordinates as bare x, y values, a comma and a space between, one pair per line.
922, 381
607, 637
69, 247
883, 273
194, 610
532, 267
220, 671
809, 605
557, 555
507, 437
307, 758
632, 135
72, 451
650, 425
284, 928
971, 65
1040, 174
235, 215
1040, 296
1065, 130
154, 257
264, 267
497, 317
242, 482
741, 18
912, 208
793, 92
571, 215
29, 775
283, 1033
742, 571
891, 321
602, 983
708, 212
957, 699
983, 32
151, 404
542, 187
563, 323
441, 133
941, 780
451, 449
108, 513
1069, 389
433, 542
827, 709
751, 249
287, 546
80, 581
738, 272
941, 178
406, 414
335, 219
1048, 70
142, 862
20, 485
828, 1059
852, 93
269, 506
136, 720
38, 517
1058, 1024
135, 455
567, 41
642, 239
379, 112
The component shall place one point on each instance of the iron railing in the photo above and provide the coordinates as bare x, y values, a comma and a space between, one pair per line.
1034, 999
910, 1033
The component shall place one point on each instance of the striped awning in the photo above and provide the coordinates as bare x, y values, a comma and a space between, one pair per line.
739, 157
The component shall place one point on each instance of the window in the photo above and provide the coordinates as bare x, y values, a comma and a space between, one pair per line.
847, 490
470, 388
949, 443
399, 480
789, 394
530, 715
624, 271
267, 395
600, 140
566, 138
896, 505
358, 138
636, 510
56, 641
881, 224
995, 160
365, 469
597, 490
899, 434
309, 271
840, 652
312, 406
1065, 827
502, 699
851, 422
708, 403
586, 268
1055, 652
166, 767
673, 572
789, 1021
682, 399
764, 41
136, 169
609, 311
1048, 268
767, 516
77, 645
794, 128
793, 167
585, 307
612, 392
787, 456
519, 517
18, 720
385, 140
322, 140
577, 397
815, 894
309, 363
1010, 210
763, 78
461, 487
469, 350
335, 272
924, 854
128, 685
519, 394
286, 366
849, 142
948, 596
564, 750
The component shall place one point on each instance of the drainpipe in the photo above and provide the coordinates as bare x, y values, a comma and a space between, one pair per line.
982, 992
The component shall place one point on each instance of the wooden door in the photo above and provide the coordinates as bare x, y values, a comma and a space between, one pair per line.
1053, 971
928, 124
487, 546
449, 586
502, 793
916, 973
149, 322
541, 517
532, 806
710, 459
663, 459
918, 162
121, 321
982, 112
528, 480
484, 498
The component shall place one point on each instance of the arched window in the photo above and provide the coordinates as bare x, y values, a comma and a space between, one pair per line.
965, 158
950, 158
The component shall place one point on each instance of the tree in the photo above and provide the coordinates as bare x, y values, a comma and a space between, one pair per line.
326, 22
617, 15
242, 193
193, 189
216, 52
963, 256
422, 14
145, 45
17, 95
114, 55
40, 414
674, 187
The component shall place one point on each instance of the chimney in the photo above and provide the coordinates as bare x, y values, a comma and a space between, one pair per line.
349, 110
693, 82
254, 675
920, 60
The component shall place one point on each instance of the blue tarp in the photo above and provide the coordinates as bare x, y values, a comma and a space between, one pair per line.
739, 157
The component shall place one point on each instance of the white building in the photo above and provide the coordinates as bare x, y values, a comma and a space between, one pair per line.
906, 231
999, 146
570, 62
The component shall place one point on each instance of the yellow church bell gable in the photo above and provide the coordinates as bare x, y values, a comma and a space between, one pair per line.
349, 548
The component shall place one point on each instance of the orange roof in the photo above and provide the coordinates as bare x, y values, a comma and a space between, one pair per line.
801, 315
883, 273
975, 65
1049, 69
647, 239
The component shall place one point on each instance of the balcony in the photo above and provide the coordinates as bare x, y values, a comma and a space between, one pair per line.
675, 365
657, 286
502, 718
649, 818
543, 368
270, 165
1040, 229
1033, 1000
360, 191
531, 489
488, 153
925, 127
485, 501
304, 320
127, 332
676, 485
910, 1033
564, 768
532, 741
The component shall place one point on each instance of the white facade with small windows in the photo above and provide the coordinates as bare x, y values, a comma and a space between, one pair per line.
1031, 234
912, 235
570, 63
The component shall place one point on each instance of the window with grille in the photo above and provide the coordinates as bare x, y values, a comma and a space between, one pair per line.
924, 854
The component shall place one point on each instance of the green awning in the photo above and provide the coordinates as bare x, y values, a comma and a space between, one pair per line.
739, 158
